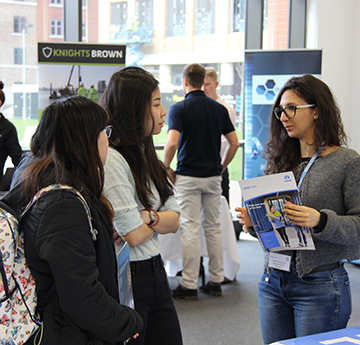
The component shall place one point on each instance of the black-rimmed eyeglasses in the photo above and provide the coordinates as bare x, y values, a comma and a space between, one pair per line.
108, 130
290, 110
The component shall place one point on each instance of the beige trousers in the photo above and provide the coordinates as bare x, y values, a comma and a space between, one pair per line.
199, 201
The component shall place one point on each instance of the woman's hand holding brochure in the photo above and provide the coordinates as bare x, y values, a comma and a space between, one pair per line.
302, 215
244, 218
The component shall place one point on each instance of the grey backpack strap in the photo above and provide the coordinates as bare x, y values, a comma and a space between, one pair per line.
52, 187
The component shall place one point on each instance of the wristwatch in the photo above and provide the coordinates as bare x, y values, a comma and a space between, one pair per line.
153, 217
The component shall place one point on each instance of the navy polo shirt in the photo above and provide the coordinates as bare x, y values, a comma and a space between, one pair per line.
201, 121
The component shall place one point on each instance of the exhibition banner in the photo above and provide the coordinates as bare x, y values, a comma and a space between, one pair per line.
69, 69
265, 74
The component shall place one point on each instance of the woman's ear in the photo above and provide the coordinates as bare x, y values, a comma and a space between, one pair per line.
0, 103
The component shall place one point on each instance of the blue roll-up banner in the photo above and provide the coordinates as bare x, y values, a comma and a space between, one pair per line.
265, 74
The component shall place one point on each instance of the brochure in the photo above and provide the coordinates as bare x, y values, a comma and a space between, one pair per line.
125, 287
342, 336
264, 199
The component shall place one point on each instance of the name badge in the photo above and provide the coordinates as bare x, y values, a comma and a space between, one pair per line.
280, 262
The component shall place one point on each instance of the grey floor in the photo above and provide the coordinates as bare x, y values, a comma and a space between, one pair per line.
233, 318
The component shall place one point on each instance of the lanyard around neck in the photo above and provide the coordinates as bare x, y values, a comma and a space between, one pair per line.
308, 166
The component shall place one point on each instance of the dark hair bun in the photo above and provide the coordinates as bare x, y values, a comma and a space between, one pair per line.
1, 85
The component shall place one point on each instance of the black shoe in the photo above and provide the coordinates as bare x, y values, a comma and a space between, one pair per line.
227, 281
212, 288
182, 293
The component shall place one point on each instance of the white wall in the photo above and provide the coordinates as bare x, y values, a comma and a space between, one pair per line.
333, 26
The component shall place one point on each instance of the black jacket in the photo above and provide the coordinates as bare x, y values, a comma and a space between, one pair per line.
59, 248
9, 144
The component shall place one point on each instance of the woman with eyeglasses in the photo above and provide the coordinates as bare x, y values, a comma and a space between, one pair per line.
74, 265
308, 138
136, 184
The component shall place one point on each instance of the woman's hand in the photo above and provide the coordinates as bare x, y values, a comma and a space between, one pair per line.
244, 218
302, 215
145, 216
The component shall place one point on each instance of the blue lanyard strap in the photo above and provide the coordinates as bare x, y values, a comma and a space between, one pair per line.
308, 166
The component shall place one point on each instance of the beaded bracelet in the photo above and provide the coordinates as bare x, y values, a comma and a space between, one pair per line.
156, 222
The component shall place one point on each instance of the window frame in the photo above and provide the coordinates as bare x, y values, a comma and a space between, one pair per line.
56, 27
58, 3
18, 56
20, 24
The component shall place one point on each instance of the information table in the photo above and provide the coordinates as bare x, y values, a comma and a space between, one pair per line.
171, 246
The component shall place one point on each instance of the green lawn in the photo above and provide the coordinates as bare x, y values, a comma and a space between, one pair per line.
21, 125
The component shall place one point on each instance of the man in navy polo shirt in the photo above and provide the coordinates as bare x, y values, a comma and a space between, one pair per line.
195, 128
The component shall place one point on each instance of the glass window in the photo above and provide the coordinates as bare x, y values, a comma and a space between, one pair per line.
144, 12
142, 24
56, 2
176, 18
275, 24
56, 27
119, 13
119, 32
204, 17
239, 16
83, 30
18, 56
19, 23
266, 18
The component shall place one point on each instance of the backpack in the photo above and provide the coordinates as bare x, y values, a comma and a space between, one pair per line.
18, 300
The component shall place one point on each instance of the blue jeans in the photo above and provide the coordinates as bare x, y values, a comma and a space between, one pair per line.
153, 301
290, 306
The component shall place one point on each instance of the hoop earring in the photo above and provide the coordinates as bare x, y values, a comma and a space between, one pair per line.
315, 117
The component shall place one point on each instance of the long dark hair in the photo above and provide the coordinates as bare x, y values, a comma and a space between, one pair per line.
282, 153
127, 99
65, 148
2, 94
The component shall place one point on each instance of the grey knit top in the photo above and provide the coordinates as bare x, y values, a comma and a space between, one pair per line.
332, 186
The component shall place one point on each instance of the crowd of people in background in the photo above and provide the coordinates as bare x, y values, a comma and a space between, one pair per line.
104, 155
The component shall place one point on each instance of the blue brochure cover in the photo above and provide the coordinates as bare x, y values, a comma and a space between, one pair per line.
264, 199
344, 336
125, 287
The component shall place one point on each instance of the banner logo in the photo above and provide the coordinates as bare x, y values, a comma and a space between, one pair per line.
47, 51
81, 53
